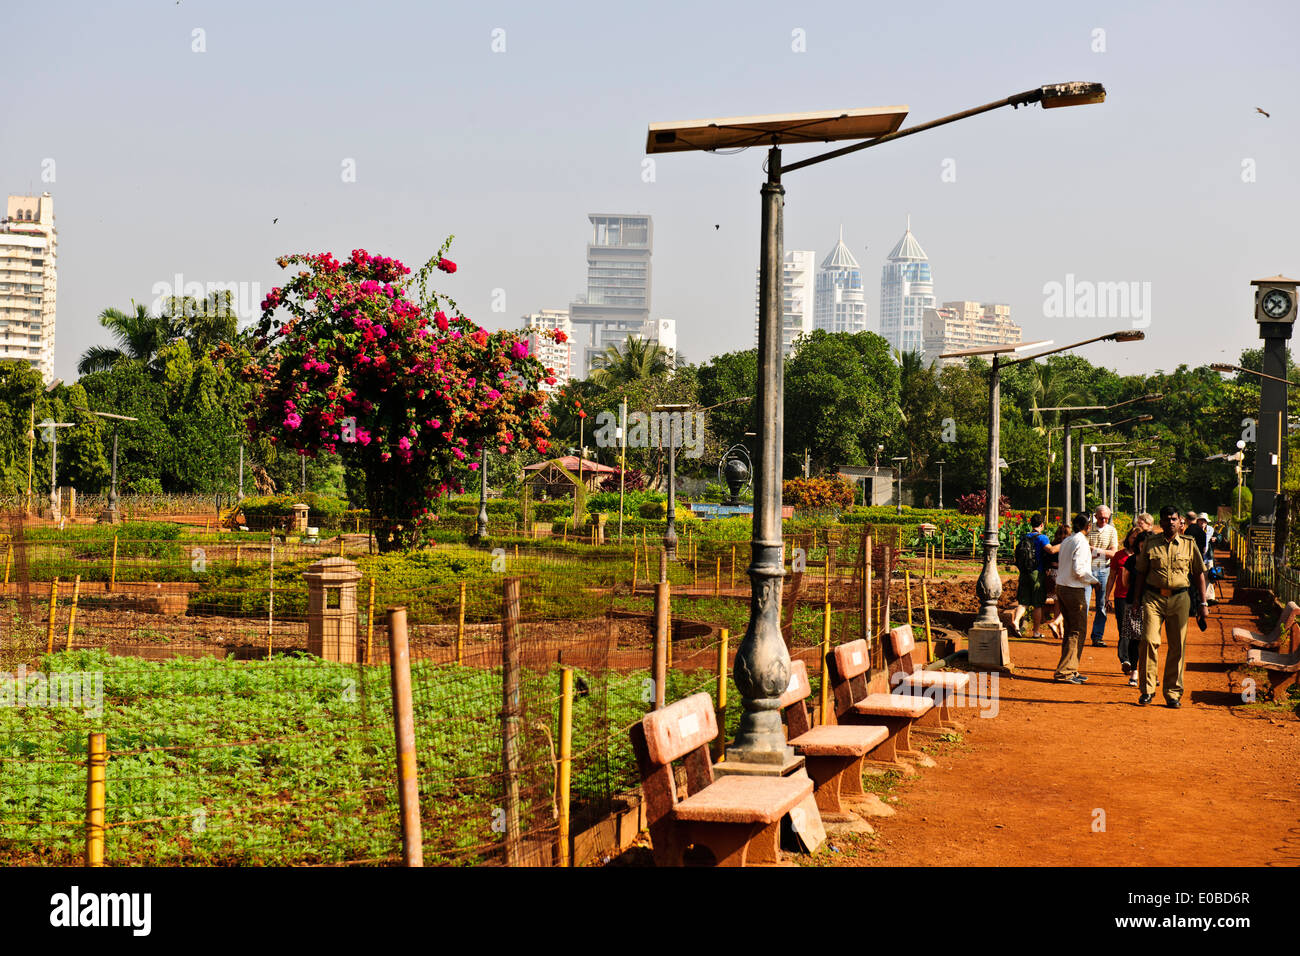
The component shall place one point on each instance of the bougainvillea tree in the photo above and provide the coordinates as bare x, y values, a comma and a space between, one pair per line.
403, 386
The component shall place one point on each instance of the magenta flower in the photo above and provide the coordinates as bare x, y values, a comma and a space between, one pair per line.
292, 420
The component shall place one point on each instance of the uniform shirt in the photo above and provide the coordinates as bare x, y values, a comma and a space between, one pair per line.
1073, 570
1107, 539
1169, 564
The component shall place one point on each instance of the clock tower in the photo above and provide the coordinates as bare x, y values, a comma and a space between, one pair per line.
1275, 311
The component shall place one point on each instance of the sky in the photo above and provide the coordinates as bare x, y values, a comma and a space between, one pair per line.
203, 139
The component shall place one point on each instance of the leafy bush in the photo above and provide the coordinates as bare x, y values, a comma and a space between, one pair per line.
975, 503
815, 493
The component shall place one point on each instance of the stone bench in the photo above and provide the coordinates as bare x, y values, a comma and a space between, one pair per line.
729, 821
833, 753
1272, 641
897, 713
943, 687
1282, 668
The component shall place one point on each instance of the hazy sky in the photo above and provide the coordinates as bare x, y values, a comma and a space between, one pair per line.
170, 161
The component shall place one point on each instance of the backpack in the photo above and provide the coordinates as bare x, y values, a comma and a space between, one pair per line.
1025, 560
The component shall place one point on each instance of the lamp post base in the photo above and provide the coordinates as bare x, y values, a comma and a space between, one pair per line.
110, 516
988, 648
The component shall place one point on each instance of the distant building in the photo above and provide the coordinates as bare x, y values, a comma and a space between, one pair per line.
29, 247
841, 304
663, 332
966, 325
617, 301
798, 290
554, 355
906, 291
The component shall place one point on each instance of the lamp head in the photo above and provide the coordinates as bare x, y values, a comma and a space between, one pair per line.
1056, 95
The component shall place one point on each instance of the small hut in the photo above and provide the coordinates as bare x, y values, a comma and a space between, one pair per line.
548, 476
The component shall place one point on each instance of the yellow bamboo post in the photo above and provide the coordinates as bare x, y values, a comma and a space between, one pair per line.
96, 774
566, 759
9, 559
695, 572
717, 577
72, 612
237, 554
720, 741
370, 622
636, 559
943, 548
340, 544
516, 552
826, 667
907, 585
826, 571
733, 566
929, 641
358, 524
460, 627
49, 632
112, 571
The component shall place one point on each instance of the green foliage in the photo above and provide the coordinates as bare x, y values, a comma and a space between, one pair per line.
817, 493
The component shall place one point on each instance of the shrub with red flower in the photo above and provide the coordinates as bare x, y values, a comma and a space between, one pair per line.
975, 503
406, 388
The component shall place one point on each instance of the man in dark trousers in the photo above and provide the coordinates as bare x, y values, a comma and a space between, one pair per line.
1168, 585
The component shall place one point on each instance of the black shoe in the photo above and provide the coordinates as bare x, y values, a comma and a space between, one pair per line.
1145, 699
1098, 643
1076, 679
1173, 704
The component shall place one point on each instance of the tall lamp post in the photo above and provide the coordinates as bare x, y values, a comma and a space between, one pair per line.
110, 515
673, 418
762, 669
940, 463
481, 532
52, 436
1067, 425
898, 469
987, 639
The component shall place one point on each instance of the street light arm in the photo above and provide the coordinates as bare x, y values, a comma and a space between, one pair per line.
1126, 336
1225, 367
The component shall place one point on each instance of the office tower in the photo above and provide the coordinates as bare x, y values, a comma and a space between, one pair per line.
617, 301
798, 277
966, 325
841, 304
906, 291
28, 282
554, 355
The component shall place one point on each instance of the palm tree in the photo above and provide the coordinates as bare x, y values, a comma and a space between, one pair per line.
1051, 390
636, 360
139, 338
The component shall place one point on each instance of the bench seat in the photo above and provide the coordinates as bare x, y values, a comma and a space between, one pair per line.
893, 705
945, 679
738, 799
840, 740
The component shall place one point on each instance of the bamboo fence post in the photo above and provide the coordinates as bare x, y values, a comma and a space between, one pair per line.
72, 612
826, 571
112, 571
238, 556
96, 776
370, 622
662, 640
270, 604
636, 557
510, 714
929, 641
460, 627
49, 633
907, 586
826, 667
408, 787
717, 577
866, 590
720, 712
733, 566
9, 560
566, 760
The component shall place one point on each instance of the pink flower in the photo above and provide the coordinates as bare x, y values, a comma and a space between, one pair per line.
521, 350
446, 265
292, 420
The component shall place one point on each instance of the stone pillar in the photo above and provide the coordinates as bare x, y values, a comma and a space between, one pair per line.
332, 609
300, 519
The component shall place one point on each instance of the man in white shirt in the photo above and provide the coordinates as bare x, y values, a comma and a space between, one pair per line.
1074, 578
1103, 539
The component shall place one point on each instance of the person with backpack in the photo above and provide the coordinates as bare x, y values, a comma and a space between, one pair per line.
1031, 591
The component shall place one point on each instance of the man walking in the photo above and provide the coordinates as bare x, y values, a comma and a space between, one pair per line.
1103, 539
1031, 591
1168, 567
1073, 579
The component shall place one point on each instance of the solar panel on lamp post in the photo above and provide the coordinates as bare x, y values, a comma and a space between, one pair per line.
762, 668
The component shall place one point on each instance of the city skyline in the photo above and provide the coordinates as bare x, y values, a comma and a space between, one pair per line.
1013, 201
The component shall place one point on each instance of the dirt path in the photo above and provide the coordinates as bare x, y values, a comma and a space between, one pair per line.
1211, 784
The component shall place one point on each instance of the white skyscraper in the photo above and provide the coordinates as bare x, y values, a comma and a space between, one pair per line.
554, 355
841, 305
28, 282
798, 279
906, 291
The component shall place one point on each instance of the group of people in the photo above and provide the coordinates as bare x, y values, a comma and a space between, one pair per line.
1154, 579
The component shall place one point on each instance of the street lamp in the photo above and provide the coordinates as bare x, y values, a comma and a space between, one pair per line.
481, 532
762, 668
52, 436
1257, 505
898, 469
674, 420
987, 639
940, 463
110, 514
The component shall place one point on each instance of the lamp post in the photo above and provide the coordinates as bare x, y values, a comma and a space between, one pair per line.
1068, 424
762, 669
481, 532
940, 463
673, 419
1241, 455
898, 469
622, 462
110, 514
52, 436
987, 639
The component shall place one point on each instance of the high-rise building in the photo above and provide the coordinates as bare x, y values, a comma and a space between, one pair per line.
617, 301
966, 325
798, 278
663, 332
841, 304
29, 246
906, 291
554, 355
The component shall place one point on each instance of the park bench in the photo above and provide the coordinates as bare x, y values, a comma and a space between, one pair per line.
1272, 641
941, 686
736, 818
1282, 668
897, 713
833, 753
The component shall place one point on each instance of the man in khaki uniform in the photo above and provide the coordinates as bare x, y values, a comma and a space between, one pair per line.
1168, 584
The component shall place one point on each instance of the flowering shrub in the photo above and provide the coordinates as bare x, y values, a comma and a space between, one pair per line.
975, 503
406, 388
825, 492
633, 480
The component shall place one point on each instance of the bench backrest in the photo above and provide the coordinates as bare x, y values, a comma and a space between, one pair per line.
1285, 621
902, 642
793, 706
849, 664
683, 729
852, 658
679, 728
